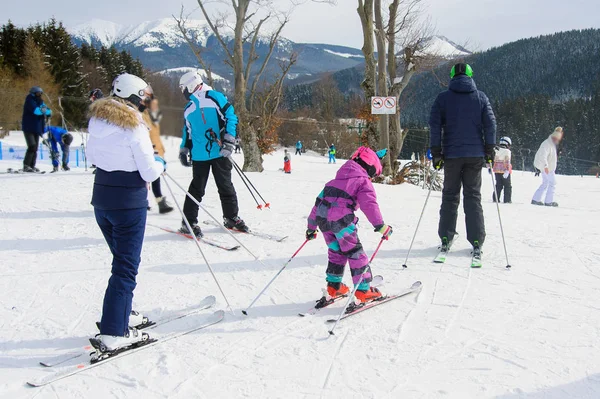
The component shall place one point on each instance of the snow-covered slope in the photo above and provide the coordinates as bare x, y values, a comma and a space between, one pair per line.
443, 47
531, 332
148, 35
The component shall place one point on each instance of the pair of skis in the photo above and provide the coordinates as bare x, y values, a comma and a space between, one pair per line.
476, 262
350, 311
98, 359
251, 232
21, 171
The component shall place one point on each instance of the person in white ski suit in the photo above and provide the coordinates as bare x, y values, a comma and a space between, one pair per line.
546, 160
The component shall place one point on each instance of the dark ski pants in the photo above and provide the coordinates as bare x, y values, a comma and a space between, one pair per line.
123, 231
156, 190
221, 170
465, 172
33, 142
503, 184
298, 151
65, 155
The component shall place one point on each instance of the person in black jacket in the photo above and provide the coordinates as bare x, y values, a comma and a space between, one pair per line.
34, 115
463, 135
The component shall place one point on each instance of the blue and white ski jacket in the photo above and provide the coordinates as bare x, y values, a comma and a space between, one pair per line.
208, 117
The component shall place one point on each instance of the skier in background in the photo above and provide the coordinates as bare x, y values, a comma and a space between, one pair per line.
207, 143
463, 138
299, 148
333, 214
120, 147
238, 147
57, 136
95, 94
35, 113
152, 117
332, 154
287, 162
546, 160
503, 170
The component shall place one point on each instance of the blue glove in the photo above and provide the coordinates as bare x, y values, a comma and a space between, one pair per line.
48, 112
157, 158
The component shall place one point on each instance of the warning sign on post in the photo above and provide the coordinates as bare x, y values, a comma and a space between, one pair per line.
383, 105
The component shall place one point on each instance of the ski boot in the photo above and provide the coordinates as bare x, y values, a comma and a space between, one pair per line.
110, 345
534, 202
28, 169
370, 295
552, 204
197, 231
163, 205
54, 169
65, 167
476, 255
136, 320
337, 289
235, 224
333, 292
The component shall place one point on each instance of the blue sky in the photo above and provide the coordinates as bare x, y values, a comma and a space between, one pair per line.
479, 23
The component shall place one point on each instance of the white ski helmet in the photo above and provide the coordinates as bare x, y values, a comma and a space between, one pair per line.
133, 89
190, 82
506, 141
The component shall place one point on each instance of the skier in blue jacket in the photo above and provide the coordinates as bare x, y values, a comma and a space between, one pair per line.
463, 136
57, 136
34, 115
208, 140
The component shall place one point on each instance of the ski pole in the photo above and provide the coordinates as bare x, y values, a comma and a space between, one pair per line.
245, 312
362, 276
190, 196
508, 266
258, 205
199, 247
404, 265
241, 172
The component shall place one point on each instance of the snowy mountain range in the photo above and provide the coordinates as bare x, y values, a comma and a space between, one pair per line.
161, 47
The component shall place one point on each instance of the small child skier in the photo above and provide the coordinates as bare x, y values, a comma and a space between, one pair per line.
503, 169
333, 214
57, 136
287, 162
332, 154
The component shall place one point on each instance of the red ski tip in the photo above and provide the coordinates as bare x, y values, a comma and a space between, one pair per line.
259, 207
267, 205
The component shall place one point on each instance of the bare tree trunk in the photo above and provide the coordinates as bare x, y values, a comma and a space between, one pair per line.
365, 11
382, 86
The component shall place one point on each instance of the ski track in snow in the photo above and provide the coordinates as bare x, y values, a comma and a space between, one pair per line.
531, 332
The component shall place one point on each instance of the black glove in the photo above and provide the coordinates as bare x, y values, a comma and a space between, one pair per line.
185, 157
437, 158
537, 172
490, 153
227, 145
311, 234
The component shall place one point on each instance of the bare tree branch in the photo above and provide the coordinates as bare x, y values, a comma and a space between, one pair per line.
215, 28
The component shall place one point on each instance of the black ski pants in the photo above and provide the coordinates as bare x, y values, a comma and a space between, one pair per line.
465, 172
33, 142
221, 170
503, 184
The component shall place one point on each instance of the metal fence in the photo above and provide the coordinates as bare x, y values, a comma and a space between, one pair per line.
14, 152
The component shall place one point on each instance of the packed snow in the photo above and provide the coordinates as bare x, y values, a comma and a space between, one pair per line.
153, 49
345, 55
442, 47
531, 332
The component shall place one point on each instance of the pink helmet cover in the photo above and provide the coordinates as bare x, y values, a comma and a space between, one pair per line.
369, 157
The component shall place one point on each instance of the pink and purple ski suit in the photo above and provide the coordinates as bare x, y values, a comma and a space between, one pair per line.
333, 214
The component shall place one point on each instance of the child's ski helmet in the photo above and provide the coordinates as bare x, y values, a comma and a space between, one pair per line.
67, 138
506, 141
369, 160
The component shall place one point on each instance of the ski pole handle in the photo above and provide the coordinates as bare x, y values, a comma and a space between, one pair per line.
245, 312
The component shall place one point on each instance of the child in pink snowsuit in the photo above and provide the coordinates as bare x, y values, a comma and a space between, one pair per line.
333, 214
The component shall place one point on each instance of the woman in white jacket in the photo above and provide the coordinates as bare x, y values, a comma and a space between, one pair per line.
545, 160
119, 145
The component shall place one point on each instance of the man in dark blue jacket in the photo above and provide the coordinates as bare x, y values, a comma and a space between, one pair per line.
34, 114
463, 135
